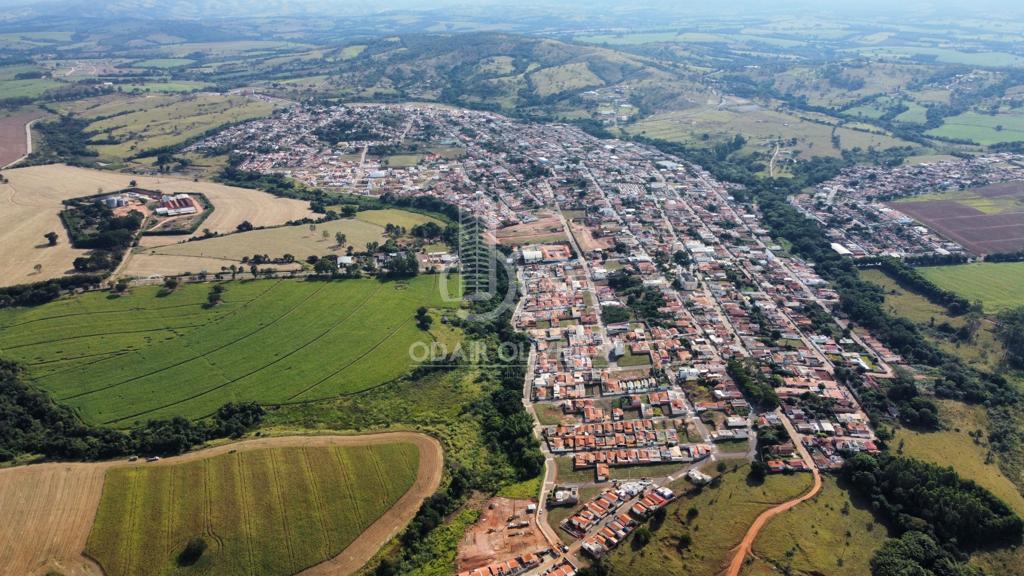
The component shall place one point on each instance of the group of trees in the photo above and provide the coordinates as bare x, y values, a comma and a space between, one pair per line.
1010, 331
645, 301
915, 496
31, 422
42, 292
753, 385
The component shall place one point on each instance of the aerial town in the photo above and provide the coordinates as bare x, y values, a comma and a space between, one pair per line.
667, 328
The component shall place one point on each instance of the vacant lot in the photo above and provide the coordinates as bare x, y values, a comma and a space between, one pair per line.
13, 144
49, 509
986, 220
546, 229
997, 285
32, 201
829, 534
723, 516
143, 356
491, 539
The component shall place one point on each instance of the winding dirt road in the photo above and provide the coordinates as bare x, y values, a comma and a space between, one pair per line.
743, 550
49, 508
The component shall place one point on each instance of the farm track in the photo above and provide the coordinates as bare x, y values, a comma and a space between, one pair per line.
251, 372
50, 508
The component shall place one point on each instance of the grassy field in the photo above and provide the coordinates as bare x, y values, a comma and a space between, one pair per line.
997, 285
983, 129
954, 447
829, 534
168, 121
270, 511
117, 360
723, 515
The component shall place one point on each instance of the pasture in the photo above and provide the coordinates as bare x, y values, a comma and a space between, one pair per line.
143, 356
32, 201
171, 121
984, 129
723, 516
999, 285
984, 220
269, 511
832, 533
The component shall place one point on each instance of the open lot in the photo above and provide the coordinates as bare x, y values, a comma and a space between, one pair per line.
52, 525
491, 539
144, 356
546, 228
32, 201
985, 220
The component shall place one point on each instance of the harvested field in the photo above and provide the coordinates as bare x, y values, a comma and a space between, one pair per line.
50, 508
32, 201
147, 265
491, 540
144, 356
13, 143
985, 221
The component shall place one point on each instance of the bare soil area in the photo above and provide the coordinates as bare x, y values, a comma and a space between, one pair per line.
504, 531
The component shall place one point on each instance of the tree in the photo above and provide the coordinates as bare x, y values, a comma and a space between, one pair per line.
641, 537
245, 226
121, 287
193, 551
38, 268
340, 238
51, 238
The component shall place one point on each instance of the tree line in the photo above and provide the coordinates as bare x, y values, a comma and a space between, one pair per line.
32, 423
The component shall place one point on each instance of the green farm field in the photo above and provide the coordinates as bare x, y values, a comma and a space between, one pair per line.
142, 356
272, 511
982, 129
998, 285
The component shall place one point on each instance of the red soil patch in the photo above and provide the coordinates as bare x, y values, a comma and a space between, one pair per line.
13, 144
491, 539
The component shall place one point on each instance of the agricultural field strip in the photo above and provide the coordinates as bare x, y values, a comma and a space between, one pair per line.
330, 329
198, 356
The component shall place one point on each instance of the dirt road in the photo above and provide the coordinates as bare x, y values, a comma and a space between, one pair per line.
49, 508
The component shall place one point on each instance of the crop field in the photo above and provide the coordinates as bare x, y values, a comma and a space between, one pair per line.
984, 220
723, 516
270, 511
829, 534
143, 356
172, 122
998, 285
339, 492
